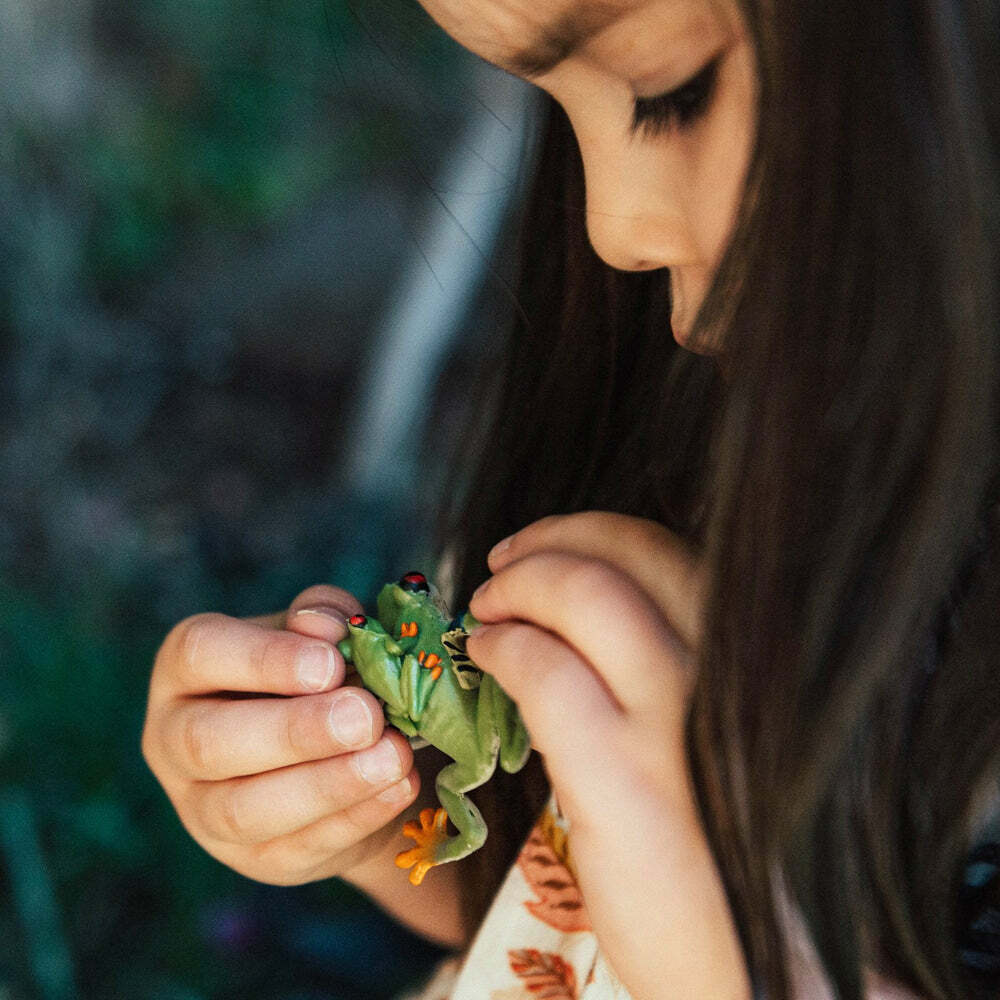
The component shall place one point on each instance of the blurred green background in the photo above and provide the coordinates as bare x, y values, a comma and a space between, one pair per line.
206, 208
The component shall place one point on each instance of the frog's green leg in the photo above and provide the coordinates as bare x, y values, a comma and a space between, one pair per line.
515, 744
401, 721
416, 684
434, 846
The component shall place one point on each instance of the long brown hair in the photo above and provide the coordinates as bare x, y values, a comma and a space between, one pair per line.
841, 481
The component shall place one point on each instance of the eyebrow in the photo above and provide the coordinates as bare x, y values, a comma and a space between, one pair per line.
563, 37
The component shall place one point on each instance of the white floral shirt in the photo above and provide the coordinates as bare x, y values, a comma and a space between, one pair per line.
536, 942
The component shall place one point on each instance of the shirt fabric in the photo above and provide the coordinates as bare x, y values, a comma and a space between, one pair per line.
536, 940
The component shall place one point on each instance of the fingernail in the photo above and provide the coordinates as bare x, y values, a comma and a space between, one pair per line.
351, 720
500, 548
398, 792
334, 614
481, 589
314, 666
379, 763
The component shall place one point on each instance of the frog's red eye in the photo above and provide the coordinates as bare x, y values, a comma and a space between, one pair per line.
358, 621
416, 583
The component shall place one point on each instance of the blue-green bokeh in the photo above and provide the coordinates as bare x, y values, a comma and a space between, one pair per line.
202, 205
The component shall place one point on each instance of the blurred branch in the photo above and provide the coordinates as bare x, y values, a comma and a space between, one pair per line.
467, 206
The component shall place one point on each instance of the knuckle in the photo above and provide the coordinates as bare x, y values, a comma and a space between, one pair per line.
353, 825
291, 735
230, 818
303, 727
323, 786
325, 594
284, 860
550, 521
188, 637
283, 868
647, 532
583, 581
294, 858
274, 652
549, 686
538, 531
292, 861
255, 861
591, 520
513, 641
149, 747
196, 739
505, 649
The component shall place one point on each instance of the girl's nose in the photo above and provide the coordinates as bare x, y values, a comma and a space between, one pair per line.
632, 220
630, 236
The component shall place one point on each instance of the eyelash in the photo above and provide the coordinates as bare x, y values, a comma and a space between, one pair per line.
680, 108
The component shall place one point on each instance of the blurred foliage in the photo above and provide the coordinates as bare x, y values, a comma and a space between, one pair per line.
227, 113
225, 129
164, 449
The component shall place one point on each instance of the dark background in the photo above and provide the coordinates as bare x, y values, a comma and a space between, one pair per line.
250, 253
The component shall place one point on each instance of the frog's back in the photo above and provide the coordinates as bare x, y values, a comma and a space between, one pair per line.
449, 721
411, 612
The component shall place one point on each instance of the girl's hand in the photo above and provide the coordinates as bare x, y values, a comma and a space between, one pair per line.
274, 765
591, 624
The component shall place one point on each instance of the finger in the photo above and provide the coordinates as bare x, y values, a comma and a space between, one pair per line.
664, 566
209, 653
212, 739
553, 686
276, 620
323, 848
255, 809
599, 611
322, 612
568, 711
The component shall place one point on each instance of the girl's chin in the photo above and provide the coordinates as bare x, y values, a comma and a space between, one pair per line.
681, 327
682, 334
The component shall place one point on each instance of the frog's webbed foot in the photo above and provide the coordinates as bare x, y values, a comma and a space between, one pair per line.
430, 834
431, 663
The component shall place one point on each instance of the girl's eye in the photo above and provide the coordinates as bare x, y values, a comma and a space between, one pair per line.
679, 108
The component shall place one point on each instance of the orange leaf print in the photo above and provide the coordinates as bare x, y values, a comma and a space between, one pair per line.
546, 975
560, 904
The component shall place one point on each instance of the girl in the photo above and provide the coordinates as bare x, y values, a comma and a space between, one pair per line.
757, 652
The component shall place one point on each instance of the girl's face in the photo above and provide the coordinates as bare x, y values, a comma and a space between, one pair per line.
662, 98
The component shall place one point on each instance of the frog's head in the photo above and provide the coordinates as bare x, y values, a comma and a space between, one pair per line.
413, 591
415, 583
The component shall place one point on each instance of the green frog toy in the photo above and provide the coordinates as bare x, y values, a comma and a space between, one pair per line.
413, 658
